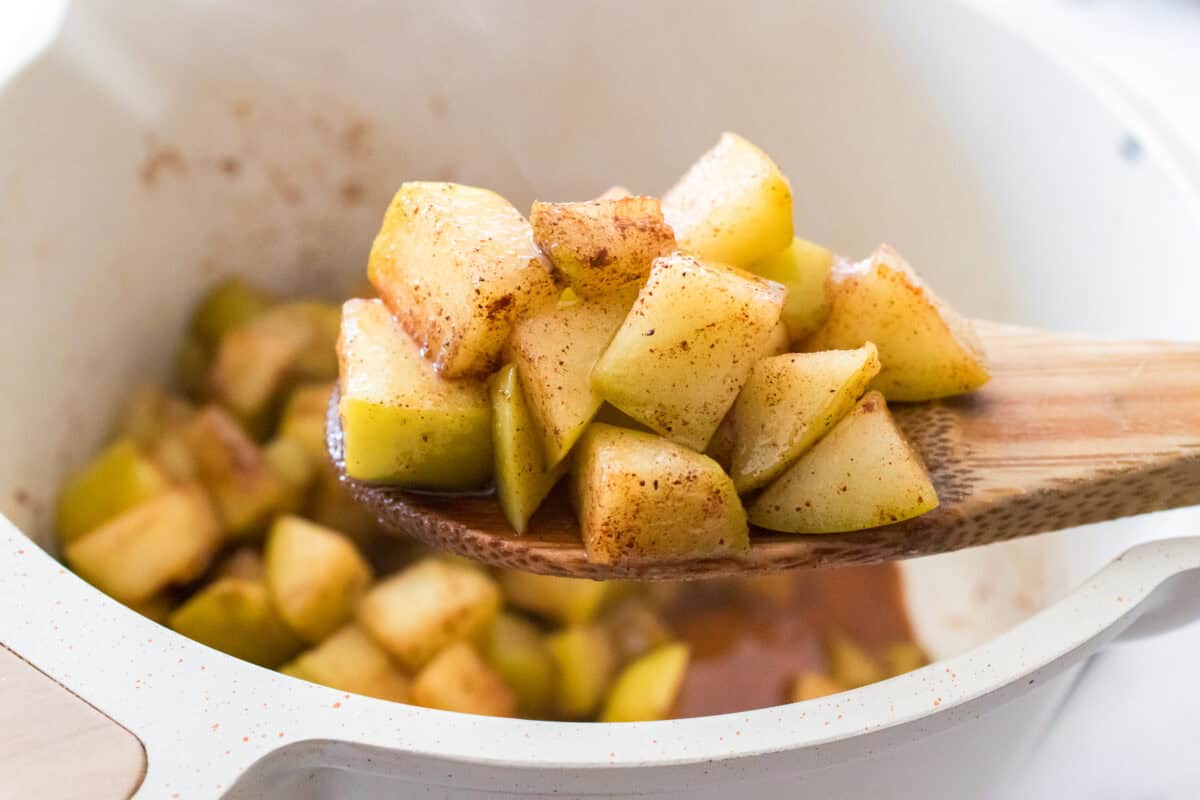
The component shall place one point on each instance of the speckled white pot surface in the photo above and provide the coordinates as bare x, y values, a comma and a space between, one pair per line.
146, 151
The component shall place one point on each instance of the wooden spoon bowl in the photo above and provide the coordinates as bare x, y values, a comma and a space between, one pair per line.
1069, 431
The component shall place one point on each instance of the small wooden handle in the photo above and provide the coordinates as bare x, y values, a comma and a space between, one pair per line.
54, 745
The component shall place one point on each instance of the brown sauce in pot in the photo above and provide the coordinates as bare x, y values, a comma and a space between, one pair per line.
751, 637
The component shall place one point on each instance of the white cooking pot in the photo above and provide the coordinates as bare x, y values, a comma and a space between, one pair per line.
153, 147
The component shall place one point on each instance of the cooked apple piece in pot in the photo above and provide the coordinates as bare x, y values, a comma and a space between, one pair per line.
585, 660
316, 576
402, 422
811, 684
256, 362
602, 245
457, 265
642, 498
235, 616
635, 628
522, 476
457, 679
788, 403
516, 649
928, 350
168, 539
229, 304
423, 608
244, 485
331, 505
862, 474
157, 607
733, 205
289, 460
685, 349
554, 353
850, 665
901, 657
117, 480
350, 661
303, 419
646, 689
804, 268
152, 413
567, 601
242, 562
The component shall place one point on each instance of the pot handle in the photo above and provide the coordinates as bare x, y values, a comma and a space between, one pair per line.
1176, 601
52, 741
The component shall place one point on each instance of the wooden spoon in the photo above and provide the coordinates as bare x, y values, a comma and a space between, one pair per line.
1069, 431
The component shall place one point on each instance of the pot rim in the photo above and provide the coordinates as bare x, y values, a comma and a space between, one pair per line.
173, 692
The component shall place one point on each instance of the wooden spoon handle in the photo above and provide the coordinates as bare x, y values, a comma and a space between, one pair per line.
1069, 432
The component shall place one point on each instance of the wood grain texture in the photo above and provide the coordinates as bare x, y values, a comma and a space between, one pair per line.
54, 745
1069, 431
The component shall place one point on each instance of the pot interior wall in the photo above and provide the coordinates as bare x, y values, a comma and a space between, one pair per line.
137, 168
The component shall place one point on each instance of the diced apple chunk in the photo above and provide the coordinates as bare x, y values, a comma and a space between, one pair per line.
243, 562
316, 576
153, 413
647, 688
804, 268
682, 354
231, 303
927, 349
166, 540
245, 488
457, 679
585, 660
457, 265
418, 611
789, 403
350, 661
635, 628
720, 446
568, 601
402, 422
257, 361
522, 477
862, 474
778, 342
641, 498
157, 607
115, 481
850, 665
811, 684
303, 419
235, 616
554, 352
733, 205
602, 245
516, 650
289, 460
331, 505
901, 657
